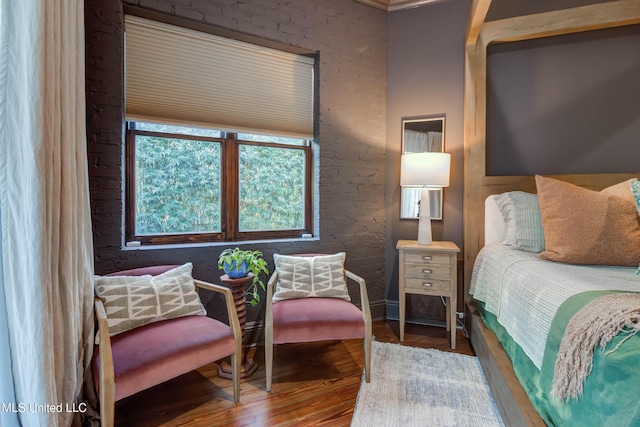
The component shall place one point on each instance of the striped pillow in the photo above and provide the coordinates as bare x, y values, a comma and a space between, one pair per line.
521, 212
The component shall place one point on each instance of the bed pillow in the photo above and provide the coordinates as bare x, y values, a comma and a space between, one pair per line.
582, 226
521, 213
134, 301
313, 276
635, 189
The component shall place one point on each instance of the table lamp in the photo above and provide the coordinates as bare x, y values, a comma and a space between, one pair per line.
425, 170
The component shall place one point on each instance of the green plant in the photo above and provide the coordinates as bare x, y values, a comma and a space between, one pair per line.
255, 264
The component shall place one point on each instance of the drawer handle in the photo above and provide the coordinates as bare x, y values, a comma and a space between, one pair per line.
427, 271
427, 258
427, 285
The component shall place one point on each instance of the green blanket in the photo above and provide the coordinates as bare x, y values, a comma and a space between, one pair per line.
611, 394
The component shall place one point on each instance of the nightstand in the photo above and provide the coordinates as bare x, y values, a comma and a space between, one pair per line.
429, 270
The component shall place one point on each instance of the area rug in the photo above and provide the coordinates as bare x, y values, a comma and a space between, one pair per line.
424, 387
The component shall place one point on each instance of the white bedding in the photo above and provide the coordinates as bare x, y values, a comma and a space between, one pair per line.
525, 292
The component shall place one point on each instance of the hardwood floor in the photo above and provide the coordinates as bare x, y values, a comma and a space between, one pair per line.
314, 384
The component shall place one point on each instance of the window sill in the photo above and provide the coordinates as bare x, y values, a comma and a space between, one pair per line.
218, 244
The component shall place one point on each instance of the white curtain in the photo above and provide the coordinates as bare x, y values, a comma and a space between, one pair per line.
44, 200
421, 142
7, 395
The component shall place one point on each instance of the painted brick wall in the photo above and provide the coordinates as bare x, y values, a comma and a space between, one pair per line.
351, 39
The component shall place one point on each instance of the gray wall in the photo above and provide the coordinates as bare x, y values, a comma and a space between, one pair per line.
425, 74
351, 39
566, 104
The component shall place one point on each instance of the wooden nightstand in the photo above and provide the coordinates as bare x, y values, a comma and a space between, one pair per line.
429, 270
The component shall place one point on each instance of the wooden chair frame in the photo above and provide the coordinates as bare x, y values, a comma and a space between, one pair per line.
268, 333
106, 374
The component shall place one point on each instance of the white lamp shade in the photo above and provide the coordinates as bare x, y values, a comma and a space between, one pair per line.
425, 169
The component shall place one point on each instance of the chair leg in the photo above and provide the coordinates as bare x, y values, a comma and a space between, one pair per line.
107, 405
236, 364
268, 355
367, 358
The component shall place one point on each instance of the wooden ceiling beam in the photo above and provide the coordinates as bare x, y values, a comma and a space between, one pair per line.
566, 21
477, 15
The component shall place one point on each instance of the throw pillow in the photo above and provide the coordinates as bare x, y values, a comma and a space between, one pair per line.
314, 276
582, 226
521, 212
134, 301
635, 189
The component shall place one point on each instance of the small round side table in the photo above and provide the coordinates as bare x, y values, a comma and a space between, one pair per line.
237, 286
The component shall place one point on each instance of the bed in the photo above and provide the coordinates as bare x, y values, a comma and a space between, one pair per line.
526, 303
514, 403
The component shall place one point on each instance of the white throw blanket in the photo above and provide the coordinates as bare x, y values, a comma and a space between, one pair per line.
596, 324
524, 292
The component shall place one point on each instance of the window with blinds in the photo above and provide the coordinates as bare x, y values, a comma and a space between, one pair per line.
219, 137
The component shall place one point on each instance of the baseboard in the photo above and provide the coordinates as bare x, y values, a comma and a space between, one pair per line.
393, 313
378, 309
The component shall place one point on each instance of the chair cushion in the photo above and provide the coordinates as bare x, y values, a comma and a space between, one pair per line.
316, 319
157, 352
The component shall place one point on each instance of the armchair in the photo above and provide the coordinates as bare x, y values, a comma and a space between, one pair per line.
310, 319
142, 357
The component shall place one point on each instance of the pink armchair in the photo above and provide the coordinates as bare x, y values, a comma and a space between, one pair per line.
149, 355
316, 319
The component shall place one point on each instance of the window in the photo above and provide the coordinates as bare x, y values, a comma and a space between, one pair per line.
199, 185
201, 162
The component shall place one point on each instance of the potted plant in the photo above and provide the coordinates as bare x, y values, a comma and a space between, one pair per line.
237, 263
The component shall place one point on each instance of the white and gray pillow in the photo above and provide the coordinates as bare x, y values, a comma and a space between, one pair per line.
521, 212
134, 301
314, 276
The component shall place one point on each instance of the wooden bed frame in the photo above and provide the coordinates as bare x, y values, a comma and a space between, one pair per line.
510, 397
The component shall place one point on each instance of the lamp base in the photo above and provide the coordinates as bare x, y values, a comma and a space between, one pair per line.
424, 222
424, 231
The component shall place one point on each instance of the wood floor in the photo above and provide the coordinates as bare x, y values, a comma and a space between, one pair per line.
314, 384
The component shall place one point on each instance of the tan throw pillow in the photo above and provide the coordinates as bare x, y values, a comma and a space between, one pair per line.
582, 226
314, 276
134, 301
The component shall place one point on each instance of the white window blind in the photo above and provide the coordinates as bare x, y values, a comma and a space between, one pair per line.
182, 76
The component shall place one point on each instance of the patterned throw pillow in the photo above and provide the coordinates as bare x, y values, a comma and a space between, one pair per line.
316, 276
134, 301
521, 212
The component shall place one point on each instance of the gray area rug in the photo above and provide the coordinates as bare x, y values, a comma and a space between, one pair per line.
424, 387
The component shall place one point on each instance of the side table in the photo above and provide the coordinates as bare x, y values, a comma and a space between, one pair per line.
429, 270
237, 286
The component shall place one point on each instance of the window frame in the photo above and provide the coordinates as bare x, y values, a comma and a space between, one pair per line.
230, 194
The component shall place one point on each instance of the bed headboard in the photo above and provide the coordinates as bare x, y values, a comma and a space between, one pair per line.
477, 185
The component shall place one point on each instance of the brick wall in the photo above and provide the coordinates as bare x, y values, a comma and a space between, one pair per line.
351, 39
